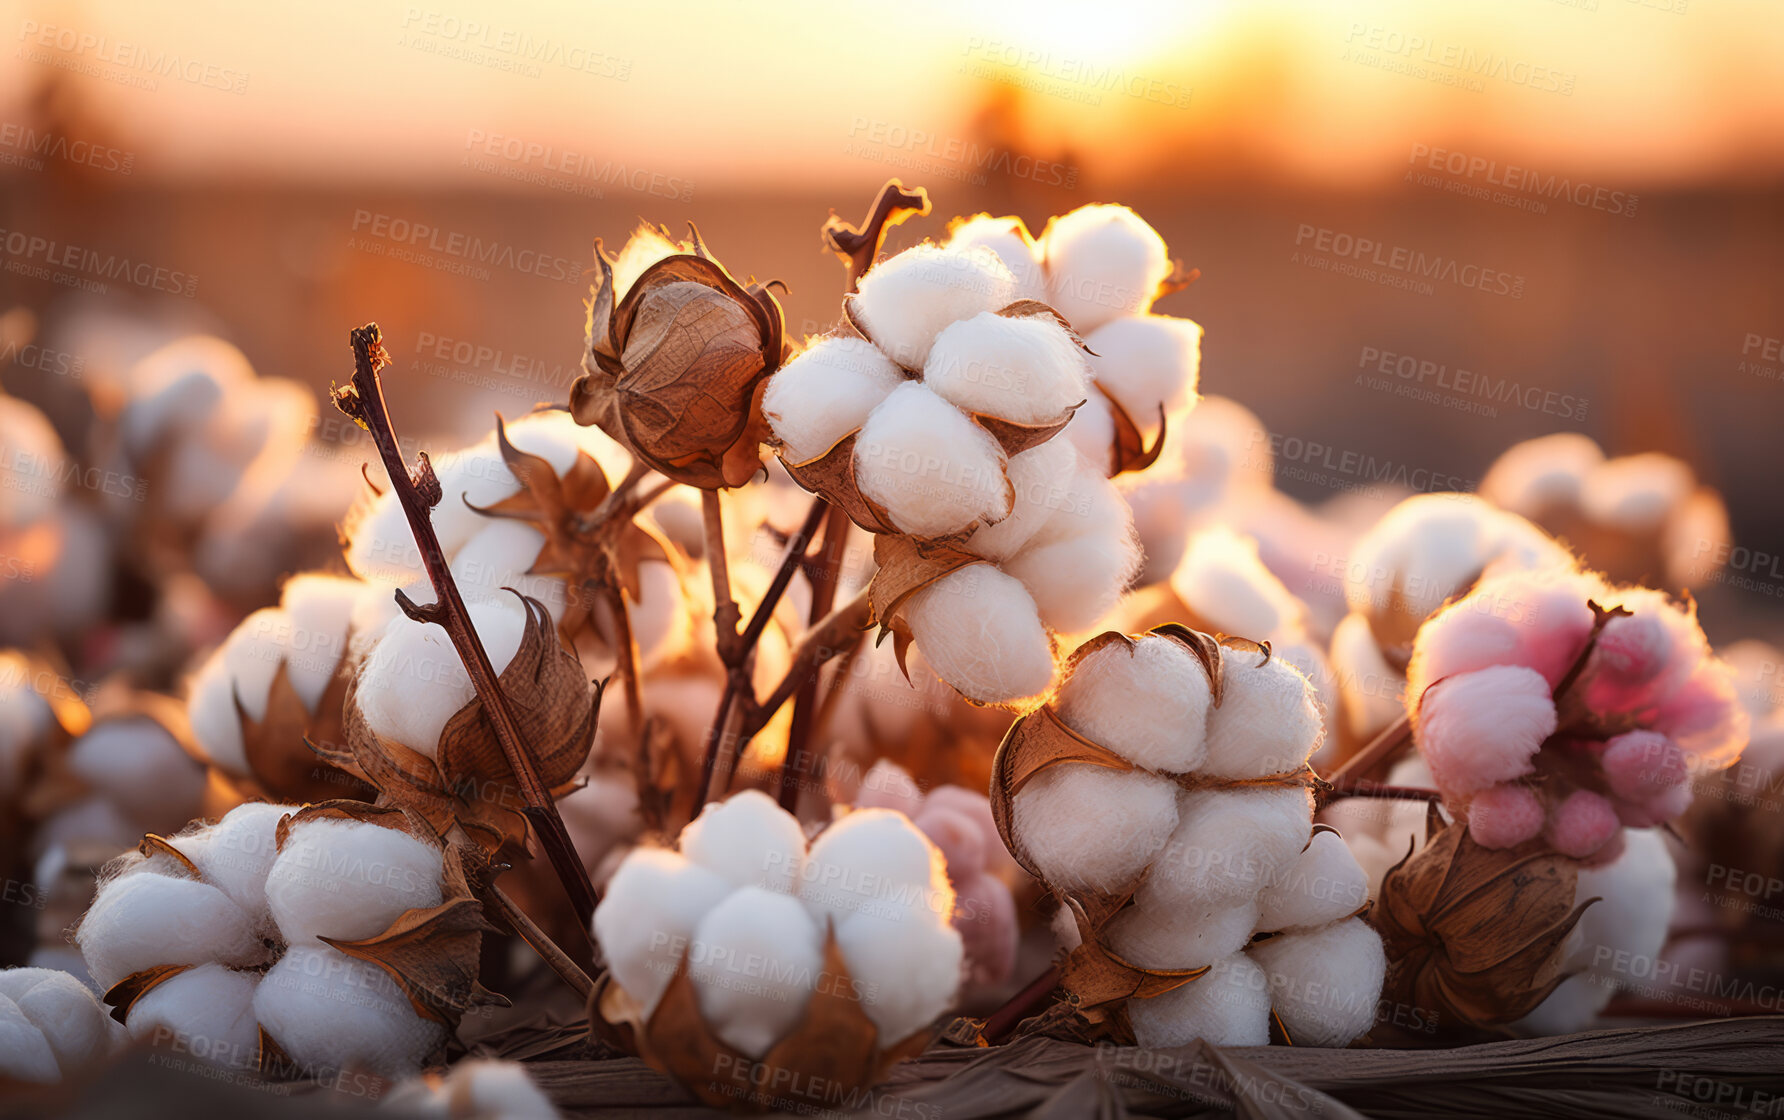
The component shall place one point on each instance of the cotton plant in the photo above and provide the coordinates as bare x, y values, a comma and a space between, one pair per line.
728, 943
1163, 795
56, 543
51, 1027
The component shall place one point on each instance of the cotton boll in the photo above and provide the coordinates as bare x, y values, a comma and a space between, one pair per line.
25, 1053
1092, 507
320, 608
985, 916
329, 1011
143, 919
1537, 619
934, 470
474, 1089
500, 557
1228, 1006
906, 972
253, 653
1148, 361
1229, 844
887, 785
1504, 816
1636, 492
747, 839
660, 617
1009, 239
380, 544
1103, 261
1267, 721
1482, 728
875, 862
1048, 480
1583, 823
1076, 582
1149, 702
1325, 983
1541, 475
1187, 936
647, 917
207, 1011
957, 836
31, 471
976, 807
235, 854
414, 682
1026, 370
61, 1009
980, 631
1224, 582
905, 301
1323, 884
136, 763
1092, 431
601, 815
825, 393
1642, 764
349, 879
754, 961
1092, 828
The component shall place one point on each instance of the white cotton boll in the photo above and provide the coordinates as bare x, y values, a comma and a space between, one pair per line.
1147, 361
647, 916
235, 854
136, 763
1323, 884
1048, 478
253, 653
907, 973
825, 393
329, 1011
905, 301
1629, 921
1228, 845
207, 1011
349, 880
1103, 261
320, 608
477, 478
1545, 473
1325, 983
1222, 579
25, 1053
1092, 431
1007, 237
1076, 582
1025, 370
875, 863
73, 1026
1228, 1006
1092, 828
92, 824
661, 622
380, 544
1148, 702
754, 961
375, 606
498, 558
1636, 492
178, 387
934, 470
143, 919
980, 631
1267, 722
31, 470
414, 682
1380, 833
748, 839
1187, 936
1372, 690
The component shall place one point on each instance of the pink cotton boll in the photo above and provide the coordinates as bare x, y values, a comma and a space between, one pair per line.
1459, 641
976, 807
1582, 824
1553, 620
887, 785
1482, 728
985, 915
1705, 717
1641, 765
1504, 816
959, 838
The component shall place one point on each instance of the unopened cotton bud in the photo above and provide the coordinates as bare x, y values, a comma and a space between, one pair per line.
1229, 1005
747, 839
1267, 722
1325, 982
1583, 823
935, 471
980, 631
1007, 237
825, 393
48, 1014
906, 973
1323, 884
1504, 816
320, 610
414, 682
142, 919
1187, 936
1076, 582
755, 959
207, 1011
647, 917
905, 301
1228, 845
349, 880
1146, 362
875, 862
1026, 370
1147, 702
1092, 828
1482, 728
1103, 261
329, 1011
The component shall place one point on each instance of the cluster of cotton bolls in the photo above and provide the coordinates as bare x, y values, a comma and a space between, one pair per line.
1213, 852
57, 546
1619, 743
51, 1027
1426, 550
1639, 518
241, 914
474, 1089
748, 907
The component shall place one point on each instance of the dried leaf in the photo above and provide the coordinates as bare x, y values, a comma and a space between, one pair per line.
1016, 438
122, 996
280, 758
832, 475
1130, 452
152, 845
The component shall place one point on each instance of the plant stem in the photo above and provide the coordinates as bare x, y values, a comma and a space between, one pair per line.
528, 931
825, 575
830, 638
1364, 788
1004, 1019
725, 615
859, 245
1382, 749
364, 402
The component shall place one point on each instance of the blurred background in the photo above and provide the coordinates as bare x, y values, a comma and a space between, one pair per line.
1425, 232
